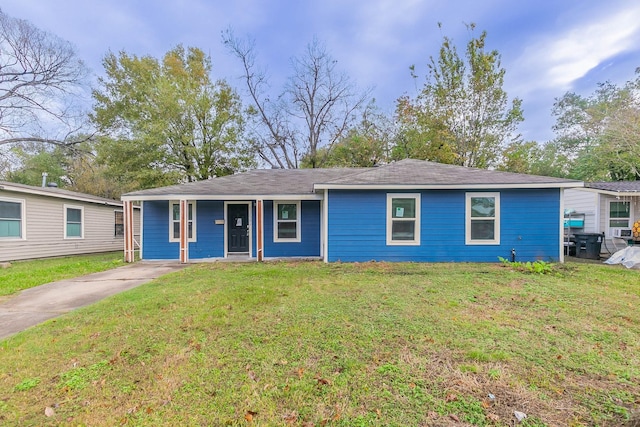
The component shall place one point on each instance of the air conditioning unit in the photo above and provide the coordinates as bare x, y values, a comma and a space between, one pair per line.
622, 233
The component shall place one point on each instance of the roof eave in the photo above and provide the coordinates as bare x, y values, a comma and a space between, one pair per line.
59, 195
235, 197
612, 192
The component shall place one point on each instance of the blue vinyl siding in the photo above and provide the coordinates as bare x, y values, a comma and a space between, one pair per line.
530, 224
155, 237
309, 245
209, 236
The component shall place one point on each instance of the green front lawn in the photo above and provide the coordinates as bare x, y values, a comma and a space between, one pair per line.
310, 344
27, 274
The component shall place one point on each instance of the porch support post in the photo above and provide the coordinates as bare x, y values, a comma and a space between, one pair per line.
259, 230
562, 247
184, 231
325, 228
127, 213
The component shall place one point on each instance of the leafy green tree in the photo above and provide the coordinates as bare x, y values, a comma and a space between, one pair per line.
36, 158
365, 145
519, 157
70, 167
598, 135
168, 122
462, 114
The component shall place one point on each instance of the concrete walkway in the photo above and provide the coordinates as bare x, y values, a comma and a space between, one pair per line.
35, 305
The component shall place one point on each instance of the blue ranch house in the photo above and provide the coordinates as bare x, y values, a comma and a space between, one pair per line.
410, 210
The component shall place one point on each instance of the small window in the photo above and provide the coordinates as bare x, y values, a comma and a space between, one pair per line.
174, 222
619, 214
286, 222
11, 219
403, 219
483, 218
73, 219
119, 224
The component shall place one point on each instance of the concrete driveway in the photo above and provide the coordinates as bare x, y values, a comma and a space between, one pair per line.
35, 305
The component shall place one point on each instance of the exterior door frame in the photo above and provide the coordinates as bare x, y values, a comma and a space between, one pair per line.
226, 226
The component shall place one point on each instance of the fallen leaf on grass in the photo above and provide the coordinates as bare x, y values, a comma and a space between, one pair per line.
321, 380
290, 418
49, 412
454, 417
493, 417
249, 415
451, 397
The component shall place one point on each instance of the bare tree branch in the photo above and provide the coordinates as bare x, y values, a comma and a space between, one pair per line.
317, 106
40, 75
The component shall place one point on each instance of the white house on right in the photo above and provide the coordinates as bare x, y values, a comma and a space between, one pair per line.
612, 208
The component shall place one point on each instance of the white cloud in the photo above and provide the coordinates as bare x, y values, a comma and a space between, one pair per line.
560, 60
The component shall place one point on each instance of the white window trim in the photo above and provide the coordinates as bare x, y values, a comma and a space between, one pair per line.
23, 219
81, 209
193, 220
496, 218
390, 219
298, 220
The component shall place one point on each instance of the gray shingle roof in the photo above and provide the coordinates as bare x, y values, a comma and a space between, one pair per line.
56, 192
256, 182
616, 186
422, 173
408, 172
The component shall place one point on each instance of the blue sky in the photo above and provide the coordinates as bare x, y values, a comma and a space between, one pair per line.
548, 47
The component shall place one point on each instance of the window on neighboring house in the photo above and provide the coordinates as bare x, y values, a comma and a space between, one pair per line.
119, 223
174, 222
483, 218
11, 219
619, 214
73, 219
286, 222
403, 219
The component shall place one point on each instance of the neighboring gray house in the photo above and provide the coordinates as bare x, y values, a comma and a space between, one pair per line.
40, 222
611, 208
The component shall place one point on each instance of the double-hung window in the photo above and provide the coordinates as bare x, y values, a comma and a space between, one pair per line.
286, 221
483, 218
73, 222
619, 214
174, 222
11, 219
118, 223
403, 219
